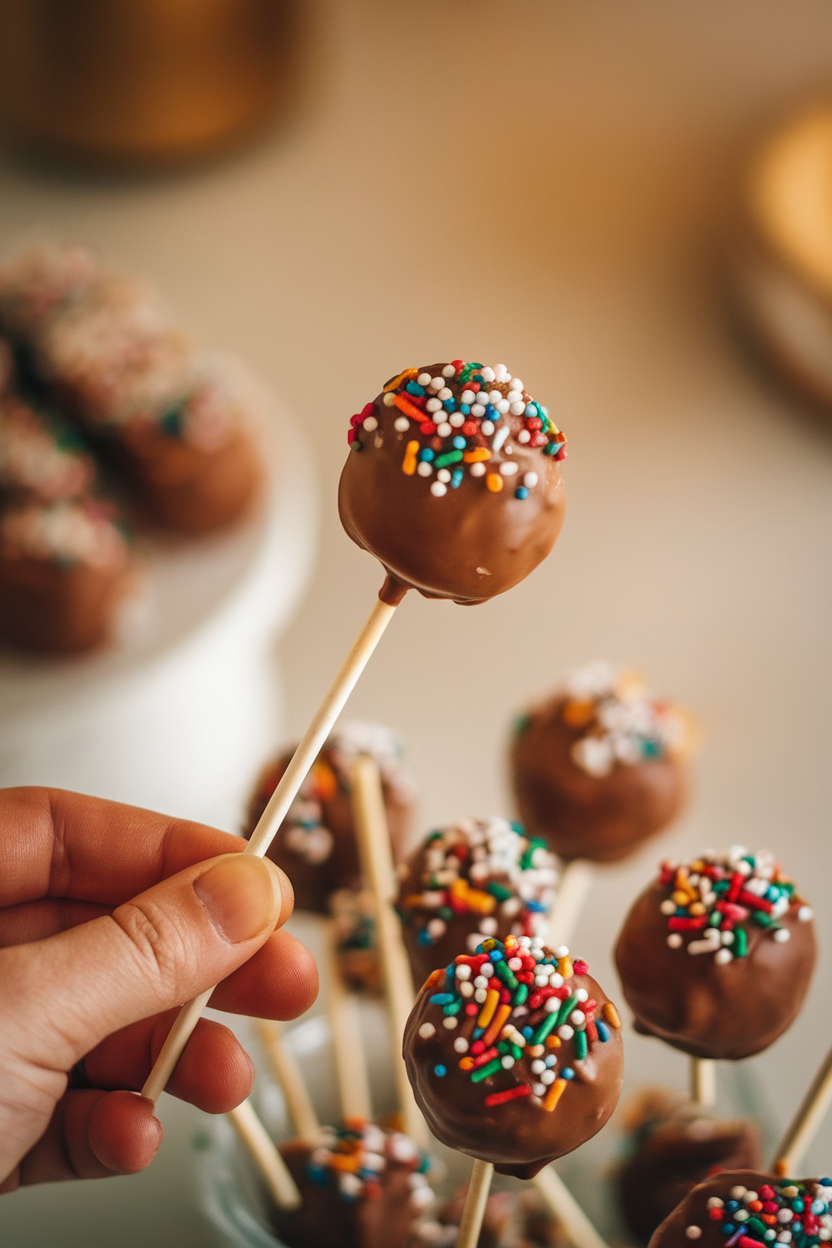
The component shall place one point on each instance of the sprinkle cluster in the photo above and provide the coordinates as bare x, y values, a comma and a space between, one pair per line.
516, 1008
716, 899
481, 868
38, 457
462, 416
786, 1212
620, 721
68, 533
352, 1158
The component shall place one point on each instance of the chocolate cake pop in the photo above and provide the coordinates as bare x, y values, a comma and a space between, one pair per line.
40, 457
470, 880
355, 933
316, 844
454, 482
715, 957
750, 1210
601, 766
675, 1144
361, 1187
514, 1054
511, 1220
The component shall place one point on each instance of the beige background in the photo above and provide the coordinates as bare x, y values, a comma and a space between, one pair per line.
539, 183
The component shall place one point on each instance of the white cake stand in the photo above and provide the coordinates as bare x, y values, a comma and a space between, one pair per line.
178, 714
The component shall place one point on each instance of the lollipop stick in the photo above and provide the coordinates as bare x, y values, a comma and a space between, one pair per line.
345, 1029
268, 1160
579, 1230
703, 1081
474, 1211
377, 865
274, 814
801, 1132
285, 1067
569, 901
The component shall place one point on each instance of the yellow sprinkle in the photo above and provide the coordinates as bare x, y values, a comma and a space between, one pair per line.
554, 1094
405, 376
611, 1015
565, 967
696, 908
494, 482
492, 1000
496, 1025
473, 457
680, 897
409, 462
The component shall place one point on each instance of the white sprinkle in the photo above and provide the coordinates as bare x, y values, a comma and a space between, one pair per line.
515, 964
581, 994
487, 970
517, 409
436, 383
577, 1017
668, 907
714, 1202
370, 423
456, 419
741, 1215
539, 1089
433, 405
437, 928
508, 470
468, 396
674, 940
488, 926
478, 469
562, 951
514, 395
723, 957
450, 1022
782, 935
478, 409
445, 393
401, 424
487, 426
444, 429
499, 438
507, 1061
495, 397
444, 475
423, 379
438, 489
805, 913
749, 1196
785, 1215
548, 1077
524, 436
737, 1193
503, 406
460, 1045
693, 1232
530, 480
566, 1032
538, 1066
487, 374
481, 993
501, 373
389, 399
427, 1030
424, 469
449, 371
463, 971
516, 384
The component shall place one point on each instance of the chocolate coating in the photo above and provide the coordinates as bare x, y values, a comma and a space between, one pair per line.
519, 1219
520, 1136
580, 813
468, 545
671, 1152
694, 1212
709, 1010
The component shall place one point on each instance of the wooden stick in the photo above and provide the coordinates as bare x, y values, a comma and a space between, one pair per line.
474, 1211
274, 814
569, 900
579, 1230
703, 1081
801, 1132
266, 1157
345, 1029
285, 1066
377, 865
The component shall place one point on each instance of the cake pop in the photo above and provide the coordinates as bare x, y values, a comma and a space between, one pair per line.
750, 1210
40, 457
454, 482
470, 880
601, 766
361, 1187
356, 946
316, 844
673, 1145
715, 957
511, 1220
514, 1054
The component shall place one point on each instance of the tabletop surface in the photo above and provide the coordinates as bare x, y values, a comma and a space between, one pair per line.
541, 183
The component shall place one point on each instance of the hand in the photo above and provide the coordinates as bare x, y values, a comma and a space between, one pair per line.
110, 918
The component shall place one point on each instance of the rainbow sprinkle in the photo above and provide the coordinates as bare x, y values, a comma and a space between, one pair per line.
353, 1157
715, 901
462, 418
785, 1212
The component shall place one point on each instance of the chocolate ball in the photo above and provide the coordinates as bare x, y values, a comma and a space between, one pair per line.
715, 957
468, 881
453, 482
600, 767
514, 1055
708, 1216
316, 845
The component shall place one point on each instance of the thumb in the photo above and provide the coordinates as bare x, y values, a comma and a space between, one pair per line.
172, 942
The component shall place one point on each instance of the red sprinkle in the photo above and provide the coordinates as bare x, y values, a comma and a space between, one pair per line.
483, 1058
477, 1046
677, 924
469, 428
472, 1010
427, 428
511, 1094
367, 410
580, 967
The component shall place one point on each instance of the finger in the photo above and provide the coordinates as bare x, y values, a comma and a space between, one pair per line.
164, 947
59, 844
214, 1073
93, 1135
35, 920
280, 981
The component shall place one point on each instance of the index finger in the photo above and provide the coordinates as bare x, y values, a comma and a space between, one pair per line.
59, 844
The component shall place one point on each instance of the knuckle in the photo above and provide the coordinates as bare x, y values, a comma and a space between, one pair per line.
159, 944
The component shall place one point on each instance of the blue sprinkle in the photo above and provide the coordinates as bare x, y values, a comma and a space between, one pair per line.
521, 492
465, 408
441, 998
551, 1061
491, 413
477, 377
456, 479
459, 443
413, 387
424, 937
478, 1031
732, 1205
603, 1031
543, 410
531, 409
567, 1073
650, 748
495, 956
528, 1032
818, 1206
826, 1182
426, 454
727, 1228
449, 405
536, 905
797, 1206
441, 1071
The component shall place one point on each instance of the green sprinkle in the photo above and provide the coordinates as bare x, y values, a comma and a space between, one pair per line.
581, 1045
450, 457
570, 1004
520, 995
740, 942
498, 890
453, 1008
484, 1071
543, 1030
504, 972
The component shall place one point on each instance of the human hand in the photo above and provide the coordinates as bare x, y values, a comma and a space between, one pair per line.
110, 918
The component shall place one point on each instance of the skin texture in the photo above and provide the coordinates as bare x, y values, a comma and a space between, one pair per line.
470, 545
519, 1137
693, 1211
726, 1012
601, 818
48, 609
314, 883
110, 917
325, 1220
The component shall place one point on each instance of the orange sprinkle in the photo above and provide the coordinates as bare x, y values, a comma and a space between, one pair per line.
342, 1161
410, 409
500, 1018
577, 713
494, 482
554, 1094
435, 976
409, 462
492, 1000
565, 967
553, 1042
474, 457
611, 1015
326, 781
405, 376
466, 1063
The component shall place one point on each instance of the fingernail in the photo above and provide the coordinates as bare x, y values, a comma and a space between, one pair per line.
242, 895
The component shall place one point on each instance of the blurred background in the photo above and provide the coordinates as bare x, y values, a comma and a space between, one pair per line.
551, 184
